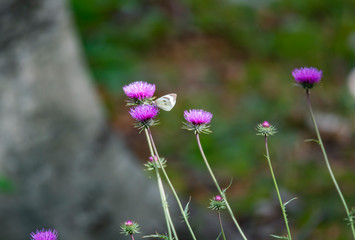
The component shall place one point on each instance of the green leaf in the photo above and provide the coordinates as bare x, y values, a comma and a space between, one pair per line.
289, 201
230, 184
279, 237
157, 235
219, 235
312, 140
186, 210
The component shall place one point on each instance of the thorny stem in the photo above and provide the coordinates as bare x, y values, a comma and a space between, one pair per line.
219, 188
171, 185
320, 142
277, 189
169, 222
220, 223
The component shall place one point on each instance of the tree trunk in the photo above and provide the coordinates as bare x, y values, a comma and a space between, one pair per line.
68, 170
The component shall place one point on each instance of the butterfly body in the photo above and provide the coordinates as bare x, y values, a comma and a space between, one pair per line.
166, 102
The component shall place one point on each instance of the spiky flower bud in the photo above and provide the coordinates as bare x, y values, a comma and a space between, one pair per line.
151, 164
265, 129
217, 203
129, 227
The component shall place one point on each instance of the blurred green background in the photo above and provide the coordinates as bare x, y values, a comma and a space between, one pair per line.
234, 58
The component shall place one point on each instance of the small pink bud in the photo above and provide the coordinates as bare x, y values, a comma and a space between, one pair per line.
151, 159
218, 198
128, 223
265, 124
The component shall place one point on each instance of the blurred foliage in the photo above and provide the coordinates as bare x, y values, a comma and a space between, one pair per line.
234, 58
6, 185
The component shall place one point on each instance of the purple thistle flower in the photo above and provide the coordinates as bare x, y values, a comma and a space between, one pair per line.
139, 90
307, 77
198, 116
143, 113
197, 120
44, 235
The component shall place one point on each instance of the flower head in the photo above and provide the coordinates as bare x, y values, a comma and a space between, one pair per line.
44, 235
307, 77
217, 203
138, 91
144, 115
265, 129
197, 120
129, 227
198, 116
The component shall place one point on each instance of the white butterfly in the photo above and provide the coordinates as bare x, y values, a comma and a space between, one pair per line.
166, 102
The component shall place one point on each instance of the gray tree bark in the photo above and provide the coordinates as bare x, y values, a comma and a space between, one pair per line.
69, 171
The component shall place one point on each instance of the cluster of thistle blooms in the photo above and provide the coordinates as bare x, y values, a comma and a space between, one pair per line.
140, 95
144, 111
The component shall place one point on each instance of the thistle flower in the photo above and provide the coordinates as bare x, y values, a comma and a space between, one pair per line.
265, 129
307, 77
139, 92
217, 203
197, 120
44, 235
144, 115
150, 165
129, 227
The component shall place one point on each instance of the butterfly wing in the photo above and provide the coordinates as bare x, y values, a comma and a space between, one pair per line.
166, 102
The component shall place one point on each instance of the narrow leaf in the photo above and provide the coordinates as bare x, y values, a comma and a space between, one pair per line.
279, 237
289, 201
186, 210
230, 184
312, 140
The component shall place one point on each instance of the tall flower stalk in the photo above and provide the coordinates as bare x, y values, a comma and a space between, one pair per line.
217, 203
161, 165
307, 78
265, 129
140, 95
170, 224
198, 121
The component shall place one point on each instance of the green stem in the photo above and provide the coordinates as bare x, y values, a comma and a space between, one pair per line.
277, 189
171, 185
169, 222
328, 165
220, 224
218, 187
